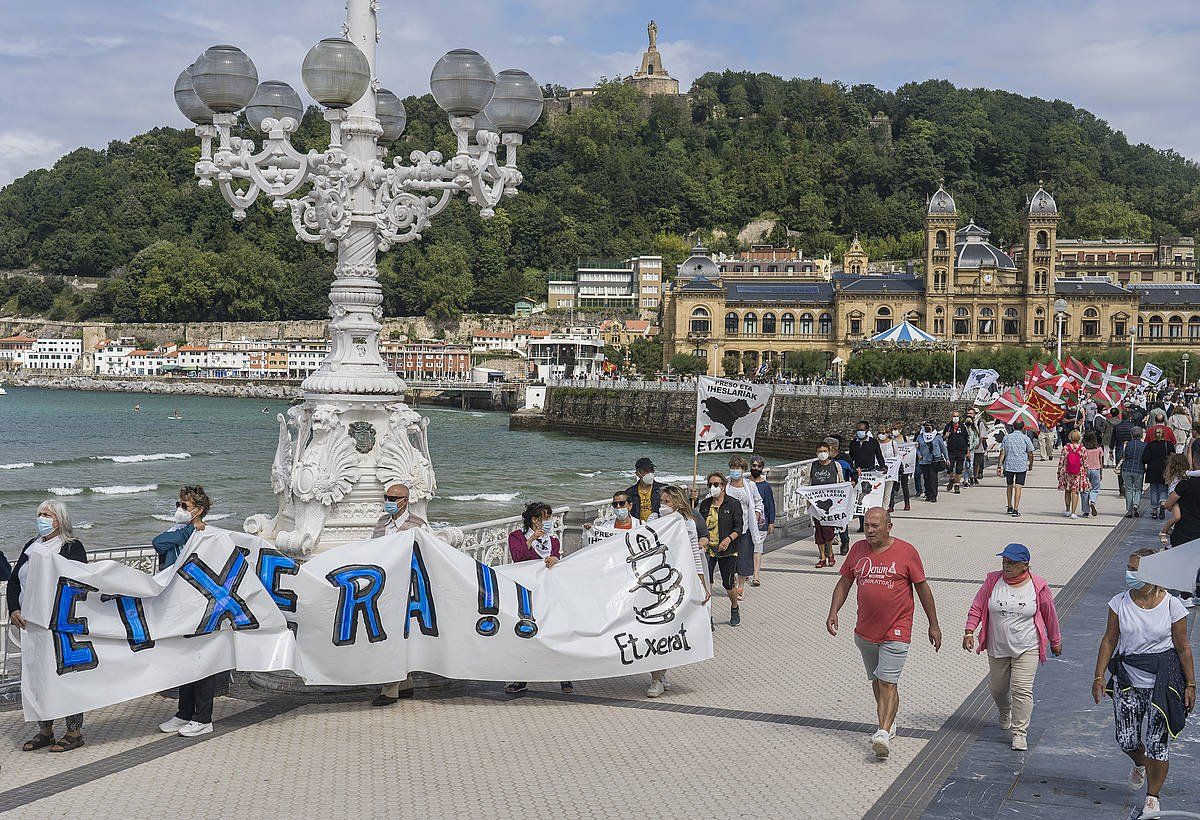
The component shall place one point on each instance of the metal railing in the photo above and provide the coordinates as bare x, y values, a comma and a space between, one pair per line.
781, 388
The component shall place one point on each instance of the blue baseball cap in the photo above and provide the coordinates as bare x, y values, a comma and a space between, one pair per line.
1015, 552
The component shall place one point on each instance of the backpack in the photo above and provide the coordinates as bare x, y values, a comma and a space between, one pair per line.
1074, 459
1099, 425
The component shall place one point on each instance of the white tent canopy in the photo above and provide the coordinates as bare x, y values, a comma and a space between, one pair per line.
904, 333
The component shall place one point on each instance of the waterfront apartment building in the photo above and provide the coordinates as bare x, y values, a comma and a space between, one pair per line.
494, 341
634, 285
566, 356
967, 291
428, 360
54, 354
13, 350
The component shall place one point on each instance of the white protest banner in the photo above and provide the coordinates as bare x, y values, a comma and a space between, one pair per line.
870, 491
908, 456
357, 614
980, 378
1176, 568
727, 414
829, 504
1151, 373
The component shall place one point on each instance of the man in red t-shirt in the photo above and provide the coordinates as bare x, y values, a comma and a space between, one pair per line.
886, 570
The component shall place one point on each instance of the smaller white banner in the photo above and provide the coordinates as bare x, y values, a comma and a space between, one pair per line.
1151, 373
1175, 568
727, 414
908, 456
870, 491
980, 378
829, 504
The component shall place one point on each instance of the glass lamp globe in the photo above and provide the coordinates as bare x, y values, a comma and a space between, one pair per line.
189, 102
517, 102
276, 100
336, 72
484, 122
224, 78
392, 116
462, 82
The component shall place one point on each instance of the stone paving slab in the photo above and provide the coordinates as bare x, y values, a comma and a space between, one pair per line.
774, 726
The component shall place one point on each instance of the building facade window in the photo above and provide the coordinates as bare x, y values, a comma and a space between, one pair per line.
731, 324
1120, 328
1194, 327
750, 324
939, 281
1043, 241
883, 319
1175, 327
1156, 327
856, 327
806, 324
1012, 324
825, 324
987, 321
1091, 322
787, 325
701, 322
768, 323
962, 322
940, 241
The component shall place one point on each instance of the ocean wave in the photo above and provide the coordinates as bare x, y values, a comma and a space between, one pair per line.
592, 474
124, 489
139, 457
497, 497
84, 525
65, 490
20, 465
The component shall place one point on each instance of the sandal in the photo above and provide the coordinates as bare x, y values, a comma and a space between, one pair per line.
67, 743
821, 564
756, 582
515, 688
37, 742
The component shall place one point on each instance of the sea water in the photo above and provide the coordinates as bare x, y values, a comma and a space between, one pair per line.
119, 469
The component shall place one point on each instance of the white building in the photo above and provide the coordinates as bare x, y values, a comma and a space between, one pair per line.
495, 341
54, 354
634, 285
13, 350
111, 357
152, 362
566, 356
304, 356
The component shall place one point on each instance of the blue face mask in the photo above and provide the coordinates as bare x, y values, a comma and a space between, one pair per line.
391, 507
861, 434
45, 526
735, 474
1132, 581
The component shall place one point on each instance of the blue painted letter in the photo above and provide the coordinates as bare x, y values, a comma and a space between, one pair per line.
224, 604
420, 598
70, 653
360, 586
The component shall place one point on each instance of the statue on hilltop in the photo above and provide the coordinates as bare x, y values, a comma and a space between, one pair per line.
652, 30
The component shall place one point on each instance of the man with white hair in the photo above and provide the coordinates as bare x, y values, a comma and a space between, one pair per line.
395, 519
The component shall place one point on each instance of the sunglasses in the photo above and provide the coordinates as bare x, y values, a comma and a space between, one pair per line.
396, 498
620, 503
716, 484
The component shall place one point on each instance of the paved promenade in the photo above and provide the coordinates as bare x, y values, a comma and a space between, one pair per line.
775, 726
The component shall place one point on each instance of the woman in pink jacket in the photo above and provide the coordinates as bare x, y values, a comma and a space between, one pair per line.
1014, 613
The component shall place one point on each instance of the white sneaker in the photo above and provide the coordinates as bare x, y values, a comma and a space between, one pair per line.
1152, 809
656, 688
194, 729
1005, 718
1073, 515
881, 743
1137, 777
1019, 743
173, 725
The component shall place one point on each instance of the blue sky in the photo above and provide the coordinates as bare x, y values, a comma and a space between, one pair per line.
83, 72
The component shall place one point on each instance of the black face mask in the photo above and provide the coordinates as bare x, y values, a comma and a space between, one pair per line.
756, 471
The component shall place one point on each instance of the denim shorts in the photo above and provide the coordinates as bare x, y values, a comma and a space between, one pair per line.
883, 661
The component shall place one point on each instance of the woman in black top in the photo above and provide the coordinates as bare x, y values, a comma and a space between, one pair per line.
1184, 526
1155, 458
723, 522
54, 535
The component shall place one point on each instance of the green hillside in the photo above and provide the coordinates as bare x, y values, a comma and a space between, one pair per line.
614, 179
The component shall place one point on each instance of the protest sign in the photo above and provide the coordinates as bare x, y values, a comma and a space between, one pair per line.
829, 504
1151, 373
727, 414
870, 491
357, 614
980, 379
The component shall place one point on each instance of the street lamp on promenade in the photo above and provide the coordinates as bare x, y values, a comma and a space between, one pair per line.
1060, 313
1133, 333
1185, 358
353, 435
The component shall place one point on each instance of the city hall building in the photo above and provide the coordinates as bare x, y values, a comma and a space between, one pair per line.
966, 290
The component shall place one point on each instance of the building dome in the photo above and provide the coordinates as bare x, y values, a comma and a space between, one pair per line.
1042, 204
700, 263
942, 203
973, 251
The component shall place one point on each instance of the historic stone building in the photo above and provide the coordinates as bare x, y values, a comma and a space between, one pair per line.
968, 290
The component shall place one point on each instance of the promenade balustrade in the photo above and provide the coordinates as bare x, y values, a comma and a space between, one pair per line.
780, 388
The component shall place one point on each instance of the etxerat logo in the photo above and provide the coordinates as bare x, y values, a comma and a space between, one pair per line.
867, 572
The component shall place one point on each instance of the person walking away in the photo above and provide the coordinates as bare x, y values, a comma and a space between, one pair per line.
890, 451
1151, 677
1072, 475
758, 469
1122, 433
396, 518
886, 570
741, 488
932, 457
1133, 473
958, 444
534, 542
1180, 423
918, 473
723, 521
1101, 428
824, 471
1015, 462
1154, 457
675, 504
865, 454
1183, 514
1014, 614
1193, 448
55, 534
1093, 462
194, 715
646, 492
1158, 421
1045, 440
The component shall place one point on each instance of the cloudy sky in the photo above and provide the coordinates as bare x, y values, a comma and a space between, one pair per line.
83, 72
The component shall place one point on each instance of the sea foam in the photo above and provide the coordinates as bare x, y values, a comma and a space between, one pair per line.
142, 457
497, 497
123, 489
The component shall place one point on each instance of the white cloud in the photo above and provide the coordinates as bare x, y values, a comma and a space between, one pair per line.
22, 150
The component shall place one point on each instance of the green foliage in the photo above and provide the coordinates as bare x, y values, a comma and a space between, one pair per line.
805, 363
34, 296
685, 364
621, 177
614, 355
646, 355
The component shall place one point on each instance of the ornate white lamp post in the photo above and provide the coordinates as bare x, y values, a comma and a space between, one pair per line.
1060, 313
353, 435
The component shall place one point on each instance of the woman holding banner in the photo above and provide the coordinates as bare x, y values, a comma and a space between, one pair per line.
824, 471
55, 535
744, 491
533, 542
889, 445
932, 458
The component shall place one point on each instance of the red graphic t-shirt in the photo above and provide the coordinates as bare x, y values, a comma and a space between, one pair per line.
885, 589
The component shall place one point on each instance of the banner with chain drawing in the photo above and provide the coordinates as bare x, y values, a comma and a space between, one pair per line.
361, 613
727, 414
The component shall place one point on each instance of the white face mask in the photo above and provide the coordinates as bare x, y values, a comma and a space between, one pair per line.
713, 492
895, 432
648, 479
929, 436
823, 456
182, 516
664, 511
